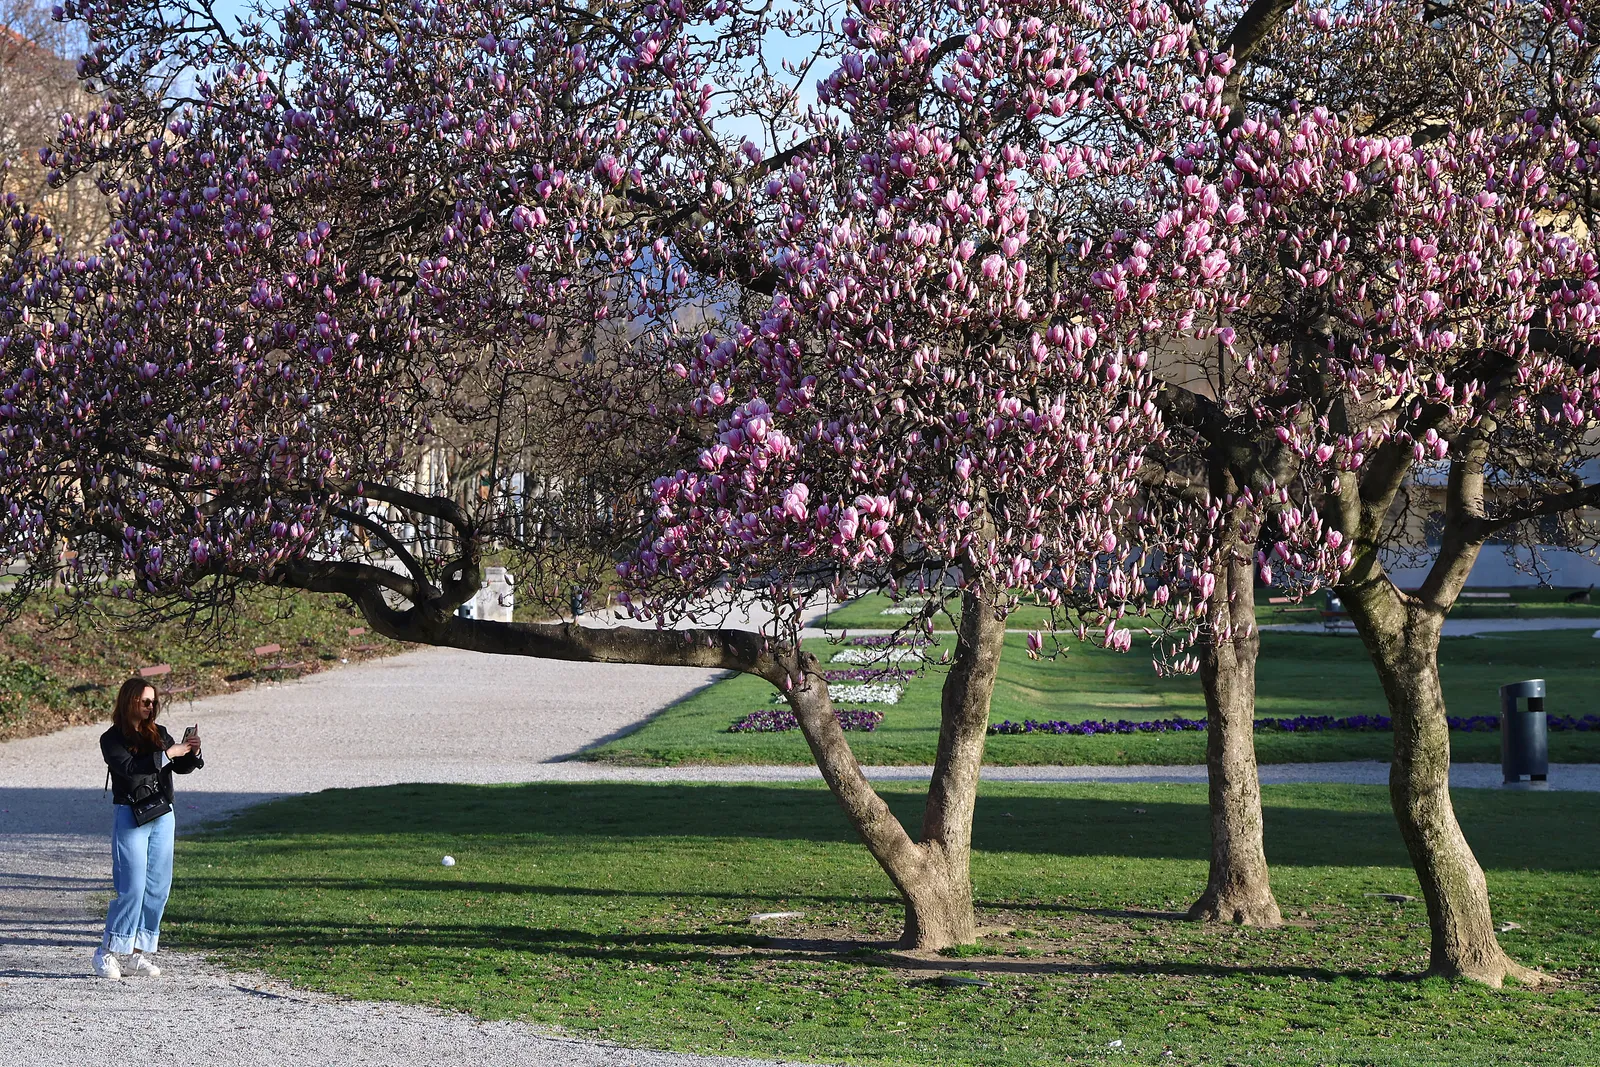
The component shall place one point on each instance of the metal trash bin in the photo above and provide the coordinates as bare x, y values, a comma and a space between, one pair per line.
1524, 735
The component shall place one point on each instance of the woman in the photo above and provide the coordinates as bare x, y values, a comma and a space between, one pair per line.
141, 758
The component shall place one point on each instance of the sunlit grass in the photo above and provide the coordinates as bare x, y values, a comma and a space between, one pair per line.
621, 912
1298, 674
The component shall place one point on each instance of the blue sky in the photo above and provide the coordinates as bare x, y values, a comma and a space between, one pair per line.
787, 49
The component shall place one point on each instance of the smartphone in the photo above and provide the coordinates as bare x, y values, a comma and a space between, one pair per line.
191, 731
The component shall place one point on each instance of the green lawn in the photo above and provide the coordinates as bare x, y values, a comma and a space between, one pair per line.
620, 912
867, 613
1299, 674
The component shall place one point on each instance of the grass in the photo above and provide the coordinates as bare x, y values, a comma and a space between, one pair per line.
1298, 674
620, 911
866, 613
55, 674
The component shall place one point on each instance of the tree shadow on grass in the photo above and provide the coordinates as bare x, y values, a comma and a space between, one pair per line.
1550, 832
756, 898
704, 947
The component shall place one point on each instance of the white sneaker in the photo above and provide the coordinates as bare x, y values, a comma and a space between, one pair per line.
105, 964
143, 966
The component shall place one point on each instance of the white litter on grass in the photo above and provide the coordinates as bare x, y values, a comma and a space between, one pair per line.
1115, 1044
772, 916
448, 861
1506, 928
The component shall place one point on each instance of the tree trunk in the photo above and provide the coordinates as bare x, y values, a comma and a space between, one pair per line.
938, 901
933, 875
1237, 889
953, 789
1403, 641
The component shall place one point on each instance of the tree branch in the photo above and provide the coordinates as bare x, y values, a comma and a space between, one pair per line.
1484, 528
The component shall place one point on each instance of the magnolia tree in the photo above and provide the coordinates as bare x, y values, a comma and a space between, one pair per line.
1419, 287
346, 233
1402, 200
926, 402
1230, 482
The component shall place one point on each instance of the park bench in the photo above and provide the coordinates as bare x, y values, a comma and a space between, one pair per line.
262, 651
357, 631
159, 670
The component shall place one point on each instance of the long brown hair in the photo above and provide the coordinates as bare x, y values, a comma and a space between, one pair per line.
128, 715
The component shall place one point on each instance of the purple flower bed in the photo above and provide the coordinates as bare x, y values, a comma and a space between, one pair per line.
1299, 724
779, 720
1100, 726
870, 674
887, 640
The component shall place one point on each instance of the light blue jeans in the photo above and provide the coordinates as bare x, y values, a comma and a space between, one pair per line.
141, 873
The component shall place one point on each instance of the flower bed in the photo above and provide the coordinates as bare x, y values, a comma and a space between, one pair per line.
886, 640
778, 720
905, 607
870, 655
1093, 726
859, 694
1299, 724
869, 674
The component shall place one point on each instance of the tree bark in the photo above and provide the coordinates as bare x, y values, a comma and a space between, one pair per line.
946, 911
1237, 889
1401, 633
1403, 641
933, 875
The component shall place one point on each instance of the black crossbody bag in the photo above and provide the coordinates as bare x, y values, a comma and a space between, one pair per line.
148, 806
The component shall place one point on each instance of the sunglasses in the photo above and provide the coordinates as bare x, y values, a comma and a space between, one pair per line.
147, 703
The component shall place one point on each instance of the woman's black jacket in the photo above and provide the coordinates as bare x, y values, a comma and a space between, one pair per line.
133, 774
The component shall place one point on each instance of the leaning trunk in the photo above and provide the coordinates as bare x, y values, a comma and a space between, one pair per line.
933, 875
1237, 889
1403, 642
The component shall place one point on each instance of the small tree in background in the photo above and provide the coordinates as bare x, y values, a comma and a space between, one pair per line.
38, 84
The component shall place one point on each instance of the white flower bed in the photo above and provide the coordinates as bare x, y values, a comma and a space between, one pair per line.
858, 694
876, 655
905, 607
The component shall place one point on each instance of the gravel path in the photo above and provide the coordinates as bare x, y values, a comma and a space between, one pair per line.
423, 716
